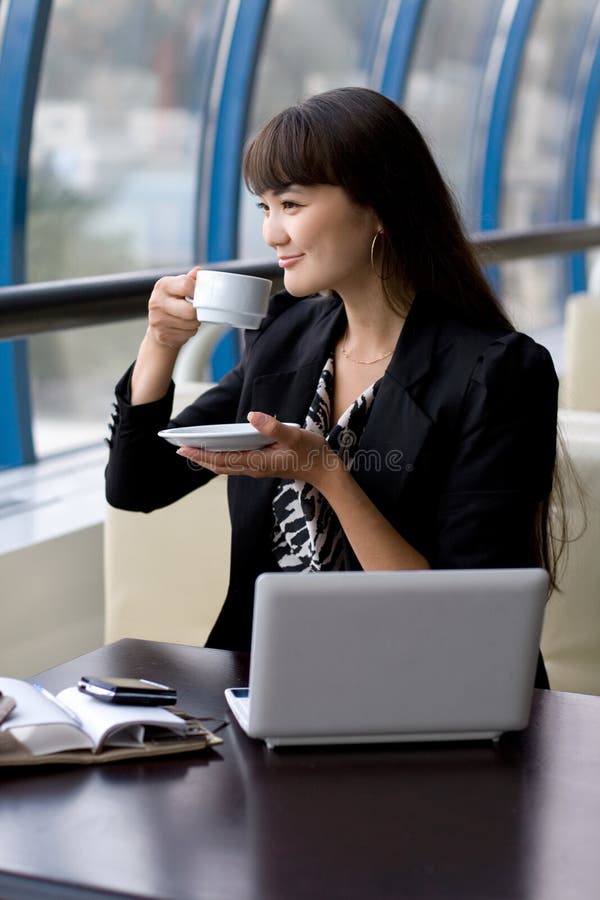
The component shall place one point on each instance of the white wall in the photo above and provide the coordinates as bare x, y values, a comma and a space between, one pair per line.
52, 602
51, 573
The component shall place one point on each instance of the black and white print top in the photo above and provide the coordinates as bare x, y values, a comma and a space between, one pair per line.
307, 536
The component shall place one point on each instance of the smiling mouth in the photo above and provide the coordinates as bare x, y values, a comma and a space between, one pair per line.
286, 261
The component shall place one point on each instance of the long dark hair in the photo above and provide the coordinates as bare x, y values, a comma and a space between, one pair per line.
365, 143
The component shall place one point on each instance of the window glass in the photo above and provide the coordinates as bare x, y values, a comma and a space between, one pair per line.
308, 47
593, 196
442, 89
592, 258
73, 375
114, 166
534, 167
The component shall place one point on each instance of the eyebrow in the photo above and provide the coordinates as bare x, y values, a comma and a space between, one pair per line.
289, 187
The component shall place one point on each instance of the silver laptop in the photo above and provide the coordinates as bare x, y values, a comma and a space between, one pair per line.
357, 657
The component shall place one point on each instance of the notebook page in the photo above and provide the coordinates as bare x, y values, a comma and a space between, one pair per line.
118, 725
38, 722
32, 708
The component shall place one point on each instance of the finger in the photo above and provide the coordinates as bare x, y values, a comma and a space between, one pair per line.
176, 314
192, 453
225, 459
273, 428
195, 456
175, 286
230, 462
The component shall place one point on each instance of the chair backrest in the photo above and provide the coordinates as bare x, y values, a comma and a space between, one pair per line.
580, 381
571, 633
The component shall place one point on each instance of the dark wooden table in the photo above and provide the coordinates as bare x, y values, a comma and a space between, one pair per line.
517, 820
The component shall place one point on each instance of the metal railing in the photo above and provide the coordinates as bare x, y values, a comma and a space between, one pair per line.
27, 309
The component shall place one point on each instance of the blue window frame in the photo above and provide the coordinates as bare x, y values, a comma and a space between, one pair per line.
22, 42
221, 223
513, 30
400, 48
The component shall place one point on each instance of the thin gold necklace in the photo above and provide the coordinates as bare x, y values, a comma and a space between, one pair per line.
362, 362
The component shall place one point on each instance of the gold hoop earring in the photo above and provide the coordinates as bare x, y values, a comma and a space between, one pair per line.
373, 242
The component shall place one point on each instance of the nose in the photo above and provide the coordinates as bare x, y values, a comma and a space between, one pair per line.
274, 231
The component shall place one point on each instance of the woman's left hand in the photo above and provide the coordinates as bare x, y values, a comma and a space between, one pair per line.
301, 454
295, 453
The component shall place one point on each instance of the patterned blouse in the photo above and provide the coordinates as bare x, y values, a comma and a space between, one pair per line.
307, 536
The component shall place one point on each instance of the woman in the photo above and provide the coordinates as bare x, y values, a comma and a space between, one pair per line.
429, 422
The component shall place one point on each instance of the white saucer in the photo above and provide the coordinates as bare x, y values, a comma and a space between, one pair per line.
242, 436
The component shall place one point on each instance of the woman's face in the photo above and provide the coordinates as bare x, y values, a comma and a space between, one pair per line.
322, 238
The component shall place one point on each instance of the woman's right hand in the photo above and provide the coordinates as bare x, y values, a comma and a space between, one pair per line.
171, 318
171, 322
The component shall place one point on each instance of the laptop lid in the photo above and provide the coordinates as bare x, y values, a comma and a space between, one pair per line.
364, 656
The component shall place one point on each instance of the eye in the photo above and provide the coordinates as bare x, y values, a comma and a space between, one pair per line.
289, 204
262, 206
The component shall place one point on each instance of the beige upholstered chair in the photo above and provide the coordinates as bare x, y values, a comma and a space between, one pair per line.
571, 635
166, 572
580, 382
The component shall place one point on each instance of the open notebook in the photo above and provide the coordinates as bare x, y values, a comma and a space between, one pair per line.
74, 727
355, 657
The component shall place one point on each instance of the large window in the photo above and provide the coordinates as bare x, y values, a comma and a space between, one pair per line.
129, 91
114, 168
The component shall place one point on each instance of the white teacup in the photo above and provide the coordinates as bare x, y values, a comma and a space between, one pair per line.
238, 300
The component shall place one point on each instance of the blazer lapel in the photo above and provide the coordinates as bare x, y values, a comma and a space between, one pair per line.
287, 394
418, 342
398, 425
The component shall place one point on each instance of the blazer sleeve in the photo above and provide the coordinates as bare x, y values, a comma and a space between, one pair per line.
144, 471
501, 461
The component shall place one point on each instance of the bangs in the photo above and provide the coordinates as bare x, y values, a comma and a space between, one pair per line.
288, 150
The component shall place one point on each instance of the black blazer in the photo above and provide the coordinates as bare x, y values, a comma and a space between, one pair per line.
457, 453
